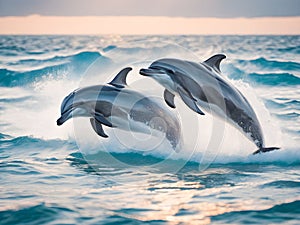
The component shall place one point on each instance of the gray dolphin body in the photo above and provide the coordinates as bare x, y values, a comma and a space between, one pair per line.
115, 106
202, 84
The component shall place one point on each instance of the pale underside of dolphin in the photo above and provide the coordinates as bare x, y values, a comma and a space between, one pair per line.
201, 86
116, 106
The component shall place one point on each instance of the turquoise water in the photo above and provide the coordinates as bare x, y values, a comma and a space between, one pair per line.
48, 178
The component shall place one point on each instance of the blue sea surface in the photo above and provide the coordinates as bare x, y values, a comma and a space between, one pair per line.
46, 178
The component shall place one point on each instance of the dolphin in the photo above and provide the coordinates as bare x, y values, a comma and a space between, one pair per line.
201, 85
113, 105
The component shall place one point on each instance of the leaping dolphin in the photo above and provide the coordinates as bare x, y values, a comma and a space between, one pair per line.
115, 106
202, 84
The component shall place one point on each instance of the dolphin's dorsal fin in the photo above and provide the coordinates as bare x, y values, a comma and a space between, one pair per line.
215, 61
120, 79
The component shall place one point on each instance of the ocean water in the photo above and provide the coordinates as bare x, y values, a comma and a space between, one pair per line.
55, 175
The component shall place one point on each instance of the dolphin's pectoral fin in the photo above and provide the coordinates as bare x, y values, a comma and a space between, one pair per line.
215, 61
102, 120
120, 79
262, 150
98, 128
169, 98
189, 101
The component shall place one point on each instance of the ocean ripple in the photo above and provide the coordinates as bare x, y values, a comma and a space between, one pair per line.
274, 65
282, 213
274, 79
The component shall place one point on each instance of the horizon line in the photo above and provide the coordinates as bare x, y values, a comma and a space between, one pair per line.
184, 17
147, 25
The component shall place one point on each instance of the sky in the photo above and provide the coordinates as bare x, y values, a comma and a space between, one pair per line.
149, 16
169, 8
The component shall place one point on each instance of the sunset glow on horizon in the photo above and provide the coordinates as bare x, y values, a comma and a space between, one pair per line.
139, 25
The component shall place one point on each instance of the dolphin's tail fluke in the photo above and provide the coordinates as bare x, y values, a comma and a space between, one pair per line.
262, 150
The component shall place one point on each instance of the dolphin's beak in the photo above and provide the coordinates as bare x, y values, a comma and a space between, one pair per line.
71, 113
151, 72
64, 117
